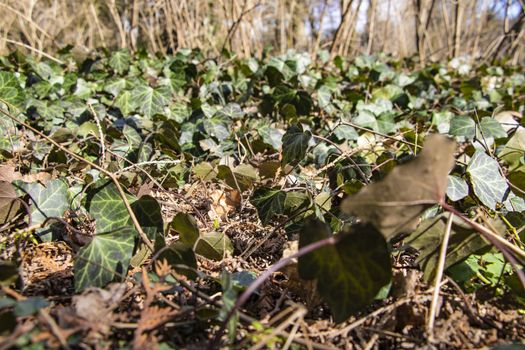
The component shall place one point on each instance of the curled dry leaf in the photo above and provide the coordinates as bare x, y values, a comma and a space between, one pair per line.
224, 202
394, 204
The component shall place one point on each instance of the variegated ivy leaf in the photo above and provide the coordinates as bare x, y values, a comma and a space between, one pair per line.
457, 188
488, 183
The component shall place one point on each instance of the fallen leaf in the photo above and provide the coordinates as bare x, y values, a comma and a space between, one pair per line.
9, 204
224, 202
394, 204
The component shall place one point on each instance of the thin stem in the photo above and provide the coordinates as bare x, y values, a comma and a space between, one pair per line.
381, 134
439, 274
505, 247
243, 298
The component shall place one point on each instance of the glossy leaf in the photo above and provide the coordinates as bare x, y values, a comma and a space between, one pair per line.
490, 127
105, 259
269, 203
463, 126
50, 200
150, 101
295, 143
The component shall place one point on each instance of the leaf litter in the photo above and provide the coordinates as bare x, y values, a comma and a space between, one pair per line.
223, 198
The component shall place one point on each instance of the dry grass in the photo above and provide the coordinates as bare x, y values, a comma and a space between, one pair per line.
431, 29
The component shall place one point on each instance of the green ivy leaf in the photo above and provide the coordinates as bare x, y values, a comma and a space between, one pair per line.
148, 213
120, 61
457, 188
490, 127
217, 127
125, 103
48, 200
242, 177
10, 89
104, 258
346, 132
116, 86
213, 245
463, 126
232, 111
30, 306
324, 96
150, 101
349, 273
8, 272
268, 202
513, 152
181, 257
186, 226
488, 184
295, 143
105, 205
205, 171
271, 136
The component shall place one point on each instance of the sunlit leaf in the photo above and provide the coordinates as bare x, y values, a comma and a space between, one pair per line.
457, 188
428, 238
186, 226
150, 101
462, 126
214, 245
488, 183
120, 61
10, 89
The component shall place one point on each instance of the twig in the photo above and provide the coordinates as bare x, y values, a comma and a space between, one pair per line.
505, 247
439, 274
381, 134
35, 50
243, 298
149, 162
111, 175
236, 24
359, 170
55, 329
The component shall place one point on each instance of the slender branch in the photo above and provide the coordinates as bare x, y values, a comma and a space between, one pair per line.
381, 134
35, 50
505, 247
243, 298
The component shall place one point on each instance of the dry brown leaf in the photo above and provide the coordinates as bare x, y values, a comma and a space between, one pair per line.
9, 204
394, 204
224, 202
7, 173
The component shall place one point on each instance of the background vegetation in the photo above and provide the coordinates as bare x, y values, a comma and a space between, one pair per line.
431, 29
